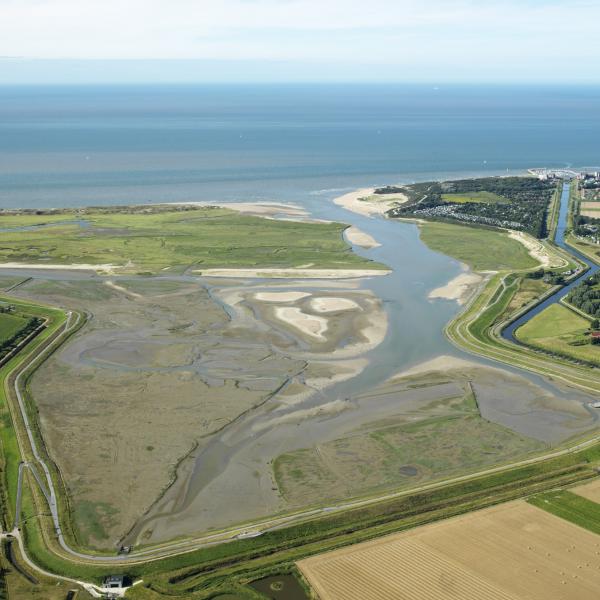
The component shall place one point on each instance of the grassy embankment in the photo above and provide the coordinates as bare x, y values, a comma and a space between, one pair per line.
152, 240
8, 434
477, 329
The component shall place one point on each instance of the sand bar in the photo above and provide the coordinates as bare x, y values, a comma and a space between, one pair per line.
292, 273
327, 305
290, 212
359, 238
281, 296
439, 363
307, 324
459, 288
120, 288
58, 267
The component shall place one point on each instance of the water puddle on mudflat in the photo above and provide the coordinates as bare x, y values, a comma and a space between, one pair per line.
280, 587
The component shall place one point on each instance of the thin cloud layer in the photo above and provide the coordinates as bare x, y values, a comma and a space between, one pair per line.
416, 39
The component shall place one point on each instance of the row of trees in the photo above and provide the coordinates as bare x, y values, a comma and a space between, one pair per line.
7, 345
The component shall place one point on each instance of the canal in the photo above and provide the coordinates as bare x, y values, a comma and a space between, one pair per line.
509, 331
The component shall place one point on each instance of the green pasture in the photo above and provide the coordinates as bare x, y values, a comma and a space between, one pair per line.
481, 197
482, 249
560, 330
10, 325
144, 240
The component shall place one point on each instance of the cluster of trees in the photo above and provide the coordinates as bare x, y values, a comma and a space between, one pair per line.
526, 205
548, 276
586, 296
7, 345
583, 226
390, 189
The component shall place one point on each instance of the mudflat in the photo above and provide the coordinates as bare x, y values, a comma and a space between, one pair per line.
163, 365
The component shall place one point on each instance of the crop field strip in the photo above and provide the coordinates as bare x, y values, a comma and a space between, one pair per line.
542, 557
591, 490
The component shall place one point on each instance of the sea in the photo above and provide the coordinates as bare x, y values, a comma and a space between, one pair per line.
98, 145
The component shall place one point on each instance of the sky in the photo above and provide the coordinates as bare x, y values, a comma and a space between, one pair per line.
484, 41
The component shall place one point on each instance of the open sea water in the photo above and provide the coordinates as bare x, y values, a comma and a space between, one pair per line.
70, 146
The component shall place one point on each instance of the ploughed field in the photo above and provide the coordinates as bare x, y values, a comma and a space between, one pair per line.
514, 551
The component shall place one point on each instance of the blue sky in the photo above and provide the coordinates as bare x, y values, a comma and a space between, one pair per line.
68, 41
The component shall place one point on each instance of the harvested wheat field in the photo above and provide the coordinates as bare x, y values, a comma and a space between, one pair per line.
590, 491
510, 552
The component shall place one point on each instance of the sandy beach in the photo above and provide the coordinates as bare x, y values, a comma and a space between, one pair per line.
460, 288
537, 250
355, 201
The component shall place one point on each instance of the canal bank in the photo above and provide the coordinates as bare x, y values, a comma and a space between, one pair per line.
508, 332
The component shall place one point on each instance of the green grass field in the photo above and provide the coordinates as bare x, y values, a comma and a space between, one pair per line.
153, 240
482, 249
558, 329
528, 291
481, 197
10, 325
571, 507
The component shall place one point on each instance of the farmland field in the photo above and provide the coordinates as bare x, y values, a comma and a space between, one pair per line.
10, 325
559, 329
571, 507
591, 491
541, 556
481, 249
